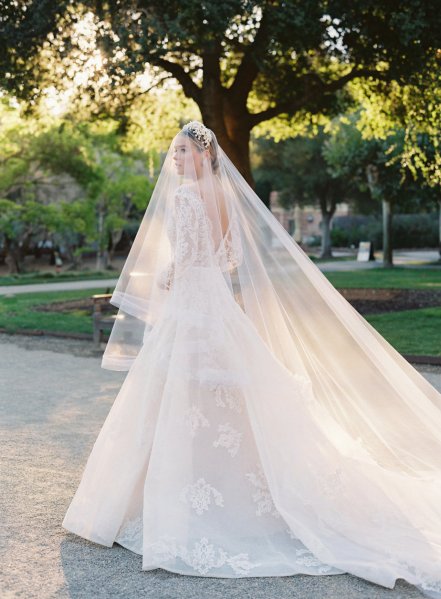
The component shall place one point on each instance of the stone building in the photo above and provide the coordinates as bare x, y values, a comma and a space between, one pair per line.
302, 222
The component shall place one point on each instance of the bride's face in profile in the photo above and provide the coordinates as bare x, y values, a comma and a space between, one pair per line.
187, 157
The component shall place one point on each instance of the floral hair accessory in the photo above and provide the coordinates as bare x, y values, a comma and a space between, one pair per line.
200, 132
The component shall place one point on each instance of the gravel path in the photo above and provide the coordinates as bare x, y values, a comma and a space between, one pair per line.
53, 402
61, 286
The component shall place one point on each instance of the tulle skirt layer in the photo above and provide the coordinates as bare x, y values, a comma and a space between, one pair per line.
216, 460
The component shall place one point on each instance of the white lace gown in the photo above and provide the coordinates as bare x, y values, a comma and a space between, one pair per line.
215, 460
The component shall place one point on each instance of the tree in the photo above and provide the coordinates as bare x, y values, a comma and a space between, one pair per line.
423, 158
373, 164
298, 170
422, 145
72, 183
29, 184
121, 190
242, 62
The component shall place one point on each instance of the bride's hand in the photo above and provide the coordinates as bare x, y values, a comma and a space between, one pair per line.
164, 279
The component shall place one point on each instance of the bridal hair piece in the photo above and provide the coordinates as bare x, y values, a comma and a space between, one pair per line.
198, 131
350, 437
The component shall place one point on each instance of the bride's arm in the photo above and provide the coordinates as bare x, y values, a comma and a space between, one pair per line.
166, 276
187, 232
186, 237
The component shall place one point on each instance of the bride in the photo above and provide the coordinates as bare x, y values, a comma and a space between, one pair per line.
264, 427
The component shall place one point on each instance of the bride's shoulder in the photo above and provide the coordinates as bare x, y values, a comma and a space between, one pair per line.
189, 190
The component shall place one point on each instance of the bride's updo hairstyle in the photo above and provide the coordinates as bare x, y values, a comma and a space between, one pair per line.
203, 138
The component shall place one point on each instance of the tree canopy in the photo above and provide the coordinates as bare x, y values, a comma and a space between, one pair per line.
72, 185
242, 62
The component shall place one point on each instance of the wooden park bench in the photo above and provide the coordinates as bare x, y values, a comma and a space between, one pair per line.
102, 319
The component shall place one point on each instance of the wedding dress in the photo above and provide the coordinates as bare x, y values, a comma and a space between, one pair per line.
264, 428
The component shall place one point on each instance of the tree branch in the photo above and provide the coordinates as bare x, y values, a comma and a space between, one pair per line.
191, 90
11, 157
248, 68
354, 74
315, 87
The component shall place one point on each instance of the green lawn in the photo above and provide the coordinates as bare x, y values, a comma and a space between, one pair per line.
396, 277
422, 278
52, 277
413, 332
18, 312
416, 332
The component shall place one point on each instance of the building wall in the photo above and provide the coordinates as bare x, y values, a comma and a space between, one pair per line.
302, 221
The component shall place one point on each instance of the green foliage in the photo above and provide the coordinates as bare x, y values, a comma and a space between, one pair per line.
296, 168
9, 215
409, 231
415, 109
374, 165
243, 62
153, 119
69, 182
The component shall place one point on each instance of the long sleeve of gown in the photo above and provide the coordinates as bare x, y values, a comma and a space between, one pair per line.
188, 232
183, 232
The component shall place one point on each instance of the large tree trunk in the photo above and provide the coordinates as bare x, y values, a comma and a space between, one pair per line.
387, 234
237, 147
74, 258
328, 205
326, 251
229, 121
115, 238
13, 257
16, 251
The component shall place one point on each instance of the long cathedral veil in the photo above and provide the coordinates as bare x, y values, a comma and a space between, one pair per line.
373, 407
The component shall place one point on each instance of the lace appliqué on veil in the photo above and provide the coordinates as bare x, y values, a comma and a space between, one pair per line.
262, 495
130, 534
195, 419
305, 557
200, 495
332, 484
203, 556
229, 438
226, 396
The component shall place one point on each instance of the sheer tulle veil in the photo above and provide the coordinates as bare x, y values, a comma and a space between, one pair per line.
370, 403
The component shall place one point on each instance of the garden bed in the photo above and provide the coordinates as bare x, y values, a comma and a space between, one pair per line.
83, 305
380, 301
365, 301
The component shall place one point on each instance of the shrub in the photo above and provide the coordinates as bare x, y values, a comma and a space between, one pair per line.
408, 231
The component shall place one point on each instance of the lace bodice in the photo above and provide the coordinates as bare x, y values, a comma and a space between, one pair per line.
190, 232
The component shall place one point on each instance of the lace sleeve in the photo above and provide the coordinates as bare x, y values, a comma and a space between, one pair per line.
187, 220
230, 253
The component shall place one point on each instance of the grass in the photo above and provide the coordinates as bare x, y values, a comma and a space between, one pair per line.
397, 277
415, 332
18, 313
52, 277
391, 278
